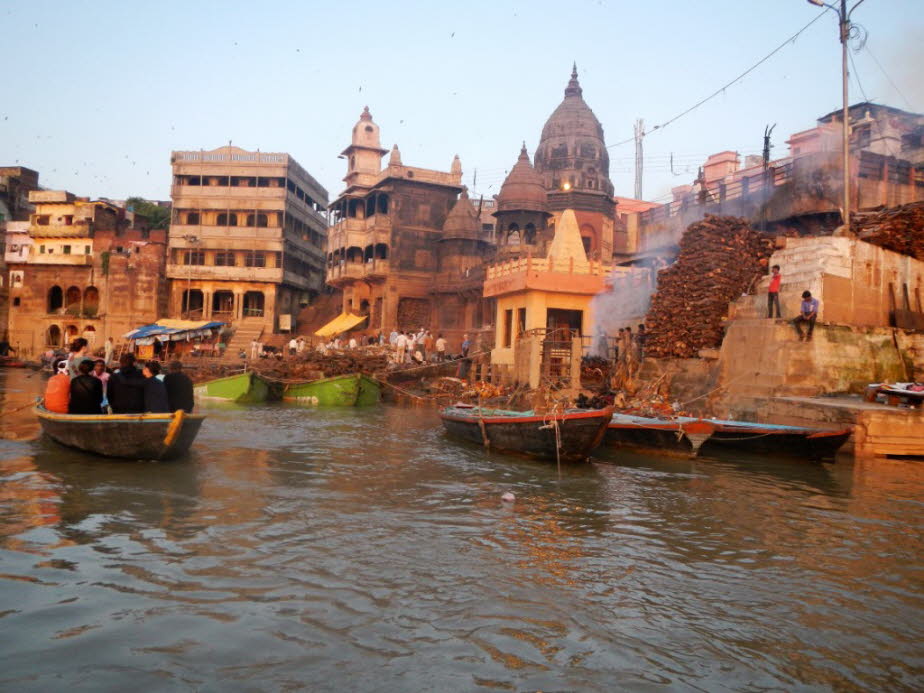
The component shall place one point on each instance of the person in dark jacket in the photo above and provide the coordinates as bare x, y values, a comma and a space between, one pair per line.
179, 388
86, 391
126, 388
155, 394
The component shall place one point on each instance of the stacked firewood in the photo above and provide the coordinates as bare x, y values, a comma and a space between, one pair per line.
720, 259
900, 229
313, 364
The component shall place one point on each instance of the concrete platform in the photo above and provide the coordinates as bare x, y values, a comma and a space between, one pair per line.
879, 430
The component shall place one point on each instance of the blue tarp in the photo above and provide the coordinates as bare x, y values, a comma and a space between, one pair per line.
172, 333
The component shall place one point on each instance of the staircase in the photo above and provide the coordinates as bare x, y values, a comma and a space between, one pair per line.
244, 334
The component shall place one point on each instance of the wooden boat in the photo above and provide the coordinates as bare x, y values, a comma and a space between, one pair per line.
243, 388
670, 436
10, 362
129, 436
352, 390
682, 433
896, 393
569, 436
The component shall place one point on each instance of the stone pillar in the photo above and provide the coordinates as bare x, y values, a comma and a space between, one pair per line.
206, 305
238, 311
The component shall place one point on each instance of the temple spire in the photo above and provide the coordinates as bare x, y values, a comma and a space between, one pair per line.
574, 87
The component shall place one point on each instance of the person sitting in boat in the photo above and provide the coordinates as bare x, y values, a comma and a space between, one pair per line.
179, 388
99, 371
126, 387
78, 354
86, 391
58, 389
155, 392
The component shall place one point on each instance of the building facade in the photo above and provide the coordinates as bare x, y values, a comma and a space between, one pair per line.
16, 182
81, 269
247, 238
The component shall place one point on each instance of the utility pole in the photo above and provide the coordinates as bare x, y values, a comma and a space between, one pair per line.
768, 181
639, 157
844, 26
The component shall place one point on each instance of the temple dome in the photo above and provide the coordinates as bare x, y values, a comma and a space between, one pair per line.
523, 189
572, 148
462, 220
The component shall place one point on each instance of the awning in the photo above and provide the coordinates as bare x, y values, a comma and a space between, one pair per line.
173, 330
342, 323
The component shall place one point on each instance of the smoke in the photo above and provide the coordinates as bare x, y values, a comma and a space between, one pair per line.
901, 85
624, 303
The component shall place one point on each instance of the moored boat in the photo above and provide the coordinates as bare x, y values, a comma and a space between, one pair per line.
715, 436
243, 388
128, 436
670, 436
569, 436
352, 390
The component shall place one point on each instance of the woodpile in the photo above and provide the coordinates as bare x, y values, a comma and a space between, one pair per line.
720, 259
899, 229
312, 364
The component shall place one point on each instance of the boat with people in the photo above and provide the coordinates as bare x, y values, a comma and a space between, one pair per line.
692, 436
350, 390
242, 388
569, 435
126, 436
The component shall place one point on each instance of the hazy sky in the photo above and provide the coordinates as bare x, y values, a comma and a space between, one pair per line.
97, 94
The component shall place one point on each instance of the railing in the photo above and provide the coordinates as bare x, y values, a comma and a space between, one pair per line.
550, 264
346, 270
254, 274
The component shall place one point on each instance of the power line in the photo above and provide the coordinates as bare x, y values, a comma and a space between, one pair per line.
882, 70
726, 86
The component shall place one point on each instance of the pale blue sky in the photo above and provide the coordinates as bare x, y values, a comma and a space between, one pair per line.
97, 94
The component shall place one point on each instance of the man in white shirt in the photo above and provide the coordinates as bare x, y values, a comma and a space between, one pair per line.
254, 348
400, 347
293, 345
441, 348
352, 342
393, 338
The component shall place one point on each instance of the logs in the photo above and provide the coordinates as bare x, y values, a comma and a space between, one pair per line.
720, 259
900, 229
312, 364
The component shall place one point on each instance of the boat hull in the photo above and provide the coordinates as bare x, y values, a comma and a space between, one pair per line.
716, 437
126, 436
659, 436
525, 433
243, 388
354, 390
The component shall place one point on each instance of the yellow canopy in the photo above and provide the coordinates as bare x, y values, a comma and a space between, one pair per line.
342, 323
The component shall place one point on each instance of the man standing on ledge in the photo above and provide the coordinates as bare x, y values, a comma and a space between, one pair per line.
808, 312
773, 293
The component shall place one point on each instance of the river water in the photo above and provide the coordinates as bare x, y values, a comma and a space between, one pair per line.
334, 550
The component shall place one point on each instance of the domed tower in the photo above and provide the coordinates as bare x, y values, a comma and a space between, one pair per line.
462, 245
575, 167
522, 209
364, 155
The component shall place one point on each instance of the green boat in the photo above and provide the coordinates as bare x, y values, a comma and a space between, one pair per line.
354, 390
243, 388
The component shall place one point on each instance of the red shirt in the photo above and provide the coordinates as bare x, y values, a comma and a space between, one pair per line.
775, 282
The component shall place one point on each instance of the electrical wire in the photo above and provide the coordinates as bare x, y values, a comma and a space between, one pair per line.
721, 89
894, 85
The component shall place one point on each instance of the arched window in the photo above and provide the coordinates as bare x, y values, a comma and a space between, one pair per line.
381, 251
72, 300
222, 219
55, 301
90, 301
513, 234
529, 234
53, 336
222, 303
368, 253
261, 220
253, 304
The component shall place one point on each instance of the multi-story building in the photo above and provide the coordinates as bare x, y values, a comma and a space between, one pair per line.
247, 238
15, 184
403, 249
81, 269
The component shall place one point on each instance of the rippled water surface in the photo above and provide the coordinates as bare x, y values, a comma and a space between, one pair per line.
363, 550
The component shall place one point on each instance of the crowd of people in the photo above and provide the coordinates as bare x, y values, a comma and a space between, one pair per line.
82, 385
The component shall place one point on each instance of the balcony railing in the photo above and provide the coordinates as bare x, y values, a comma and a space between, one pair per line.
243, 274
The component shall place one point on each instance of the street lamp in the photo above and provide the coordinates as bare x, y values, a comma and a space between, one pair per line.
844, 26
